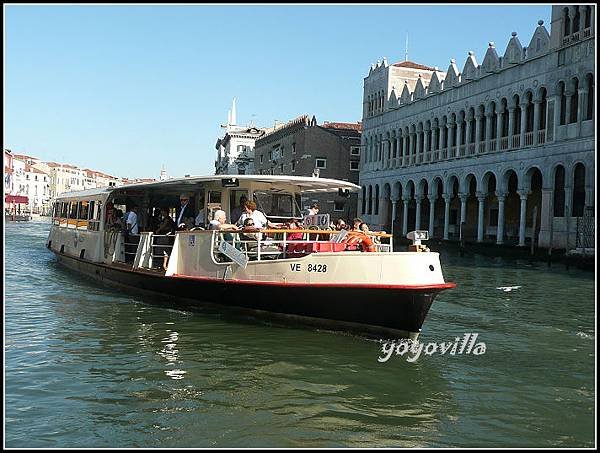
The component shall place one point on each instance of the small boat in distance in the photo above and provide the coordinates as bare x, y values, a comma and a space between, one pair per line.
338, 280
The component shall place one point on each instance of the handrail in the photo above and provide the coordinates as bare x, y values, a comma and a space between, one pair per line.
285, 230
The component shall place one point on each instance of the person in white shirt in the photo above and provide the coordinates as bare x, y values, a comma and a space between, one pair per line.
132, 221
260, 220
314, 209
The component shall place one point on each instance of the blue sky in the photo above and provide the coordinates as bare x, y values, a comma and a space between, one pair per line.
127, 89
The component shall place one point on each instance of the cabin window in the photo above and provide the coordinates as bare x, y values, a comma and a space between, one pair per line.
276, 204
64, 210
72, 210
321, 164
83, 210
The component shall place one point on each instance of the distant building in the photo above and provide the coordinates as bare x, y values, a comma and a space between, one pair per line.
503, 151
235, 150
303, 148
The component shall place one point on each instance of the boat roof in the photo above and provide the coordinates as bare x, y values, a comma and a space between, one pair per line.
303, 183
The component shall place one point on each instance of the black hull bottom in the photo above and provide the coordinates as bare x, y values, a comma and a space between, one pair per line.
374, 312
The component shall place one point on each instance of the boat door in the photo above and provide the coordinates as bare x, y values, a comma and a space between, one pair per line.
213, 204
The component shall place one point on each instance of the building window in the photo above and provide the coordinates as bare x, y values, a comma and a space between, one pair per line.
293, 165
293, 148
338, 206
261, 158
281, 169
354, 165
355, 150
321, 164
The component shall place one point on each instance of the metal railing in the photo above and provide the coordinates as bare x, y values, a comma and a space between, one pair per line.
162, 245
273, 244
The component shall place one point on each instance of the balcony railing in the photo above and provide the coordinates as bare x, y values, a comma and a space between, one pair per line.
444, 153
492, 145
436, 155
541, 137
481, 147
471, 149
587, 32
461, 150
503, 143
516, 141
529, 138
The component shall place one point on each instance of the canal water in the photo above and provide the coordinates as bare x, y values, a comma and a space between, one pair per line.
90, 366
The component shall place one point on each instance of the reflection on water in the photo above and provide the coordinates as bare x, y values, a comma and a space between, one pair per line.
90, 366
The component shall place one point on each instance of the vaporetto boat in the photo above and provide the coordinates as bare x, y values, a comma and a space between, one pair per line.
337, 280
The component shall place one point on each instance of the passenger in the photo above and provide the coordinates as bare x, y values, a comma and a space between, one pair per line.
314, 209
364, 227
356, 224
200, 220
132, 220
260, 220
219, 222
237, 212
154, 219
341, 225
185, 213
294, 225
110, 213
249, 236
165, 227
167, 224
119, 223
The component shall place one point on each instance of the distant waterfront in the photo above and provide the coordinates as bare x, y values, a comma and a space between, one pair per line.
90, 366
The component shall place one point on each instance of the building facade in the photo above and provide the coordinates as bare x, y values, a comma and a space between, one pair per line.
235, 150
303, 148
503, 151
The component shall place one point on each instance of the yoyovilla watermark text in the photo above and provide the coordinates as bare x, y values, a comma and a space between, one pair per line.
413, 349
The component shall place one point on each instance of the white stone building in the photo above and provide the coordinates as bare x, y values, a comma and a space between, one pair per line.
479, 152
235, 150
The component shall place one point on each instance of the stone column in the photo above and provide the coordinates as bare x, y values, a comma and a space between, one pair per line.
488, 130
463, 207
511, 125
444, 137
405, 202
432, 199
499, 120
451, 143
405, 149
447, 199
500, 229
523, 213
413, 147
582, 104
426, 143
481, 200
394, 205
459, 128
418, 199
546, 216
467, 136
536, 121
478, 132
568, 109
523, 124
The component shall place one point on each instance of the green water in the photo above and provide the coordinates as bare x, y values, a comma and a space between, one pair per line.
90, 366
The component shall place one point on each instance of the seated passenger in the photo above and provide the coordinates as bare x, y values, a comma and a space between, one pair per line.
166, 224
356, 224
294, 225
219, 222
341, 225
